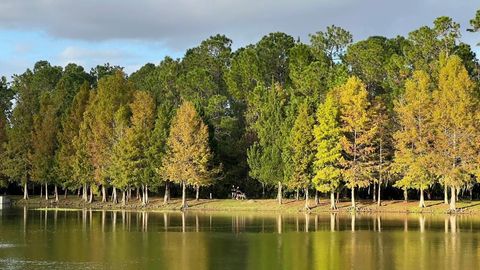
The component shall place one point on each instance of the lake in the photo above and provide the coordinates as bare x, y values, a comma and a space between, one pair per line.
89, 239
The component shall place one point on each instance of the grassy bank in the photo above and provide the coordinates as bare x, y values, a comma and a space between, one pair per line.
261, 205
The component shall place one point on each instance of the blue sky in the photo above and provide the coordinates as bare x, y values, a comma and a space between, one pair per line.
132, 33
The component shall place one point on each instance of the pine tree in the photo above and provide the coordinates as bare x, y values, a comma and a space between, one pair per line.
82, 161
358, 134
300, 151
157, 147
328, 149
455, 126
413, 139
272, 126
188, 153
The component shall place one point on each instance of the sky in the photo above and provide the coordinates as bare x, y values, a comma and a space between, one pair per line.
132, 33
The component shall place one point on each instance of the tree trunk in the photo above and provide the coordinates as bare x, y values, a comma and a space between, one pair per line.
279, 194
104, 194
379, 199
124, 198
138, 193
197, 192
470, 190
405, 195
46, 191
65, 194
316, 197
142, 195
85, 191
422, 200
445, 194
114, 195
333, 205
184, 195
306, 199
56, 194
41, 191
297, 194
452, 199
263, 190
166, 197
90, 200
145, 194
353, 198
25, 191
374, 192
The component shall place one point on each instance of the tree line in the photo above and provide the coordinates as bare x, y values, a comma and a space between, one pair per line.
327, 116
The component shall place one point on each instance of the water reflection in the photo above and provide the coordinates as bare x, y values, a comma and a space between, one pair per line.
88, 219
208, 240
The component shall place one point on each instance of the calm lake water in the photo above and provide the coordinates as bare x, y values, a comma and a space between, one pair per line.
86, 239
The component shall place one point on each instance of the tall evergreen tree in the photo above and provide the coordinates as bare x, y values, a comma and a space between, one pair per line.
271, 127
298, 165
157, 148
113, 91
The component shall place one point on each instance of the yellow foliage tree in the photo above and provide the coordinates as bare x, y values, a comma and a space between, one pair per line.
188, 153
358, 133
455, 126
413, 139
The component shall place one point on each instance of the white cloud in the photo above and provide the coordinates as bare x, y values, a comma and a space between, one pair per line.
183, 23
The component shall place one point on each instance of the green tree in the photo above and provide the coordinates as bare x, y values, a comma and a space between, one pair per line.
332, 43
82, 161
70, 127
299, 157
158, 140
271, 127
475, 22
328, 149
113, 91
44, 144
121, 170
273, 52
6, 96
188, 153
139, 136
28, 87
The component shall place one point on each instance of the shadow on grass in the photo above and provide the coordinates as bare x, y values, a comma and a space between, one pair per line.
472, 204
197, 203
313, 206
433, 204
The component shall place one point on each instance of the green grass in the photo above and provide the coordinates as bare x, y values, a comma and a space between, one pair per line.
260, 205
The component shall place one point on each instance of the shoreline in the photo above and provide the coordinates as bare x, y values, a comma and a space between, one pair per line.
254, 205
